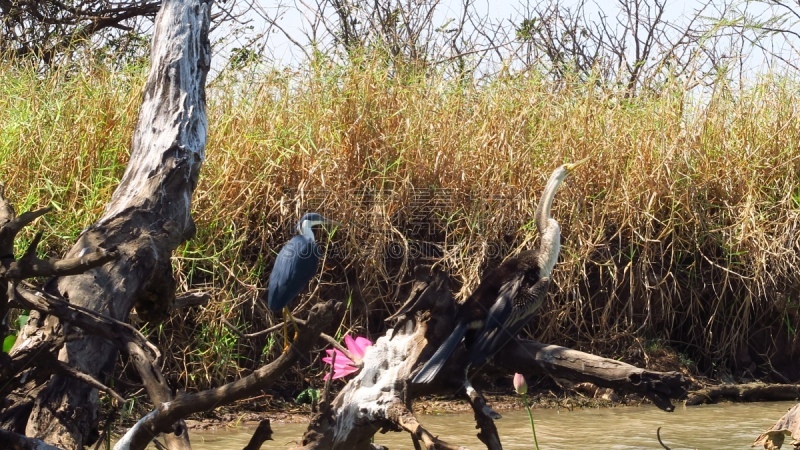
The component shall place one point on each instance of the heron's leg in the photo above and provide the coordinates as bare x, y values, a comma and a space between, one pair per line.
291, 319
296, 330
286, 316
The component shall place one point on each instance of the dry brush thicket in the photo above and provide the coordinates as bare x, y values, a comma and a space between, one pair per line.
684, 231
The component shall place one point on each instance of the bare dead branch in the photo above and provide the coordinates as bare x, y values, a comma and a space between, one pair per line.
117, 332
38, 358
262, 433
161, 419
64, 368
280, 326
159, 393
11, 224
31, 266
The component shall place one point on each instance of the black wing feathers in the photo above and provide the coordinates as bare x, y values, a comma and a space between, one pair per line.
295, 266
515, 305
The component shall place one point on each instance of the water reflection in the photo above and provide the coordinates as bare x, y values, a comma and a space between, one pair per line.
730, 426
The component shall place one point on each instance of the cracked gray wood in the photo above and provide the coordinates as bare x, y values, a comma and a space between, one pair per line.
147, 217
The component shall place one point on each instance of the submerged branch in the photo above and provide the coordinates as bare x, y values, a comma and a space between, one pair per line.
401, 416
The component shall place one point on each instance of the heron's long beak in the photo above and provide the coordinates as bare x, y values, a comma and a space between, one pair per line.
331, 222
571, 166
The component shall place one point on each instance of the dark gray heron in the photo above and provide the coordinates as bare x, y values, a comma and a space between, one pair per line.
295, 266
508, 295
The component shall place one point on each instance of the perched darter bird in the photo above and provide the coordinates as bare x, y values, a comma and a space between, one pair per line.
294, 268
508, 295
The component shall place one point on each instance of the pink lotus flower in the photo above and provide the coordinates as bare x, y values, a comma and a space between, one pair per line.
519, 384
344, 366
522, 389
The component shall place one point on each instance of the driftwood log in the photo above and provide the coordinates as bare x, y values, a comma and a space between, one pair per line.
567, 364
380, 396
787, 426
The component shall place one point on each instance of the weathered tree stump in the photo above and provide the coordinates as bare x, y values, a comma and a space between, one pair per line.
379, 397
146, 219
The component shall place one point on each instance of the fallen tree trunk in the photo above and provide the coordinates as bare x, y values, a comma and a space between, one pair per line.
748, 392
146, 219
379, 398
576, 366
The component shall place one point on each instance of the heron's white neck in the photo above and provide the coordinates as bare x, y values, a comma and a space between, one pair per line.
304, 228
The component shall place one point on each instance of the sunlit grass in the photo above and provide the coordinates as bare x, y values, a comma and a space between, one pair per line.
683, 228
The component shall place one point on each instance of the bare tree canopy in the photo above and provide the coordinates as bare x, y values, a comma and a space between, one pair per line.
46, 29
631, 44
50, 31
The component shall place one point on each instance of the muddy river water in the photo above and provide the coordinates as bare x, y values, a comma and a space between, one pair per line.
724, 426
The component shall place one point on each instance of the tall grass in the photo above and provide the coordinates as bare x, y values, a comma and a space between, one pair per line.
684, 229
